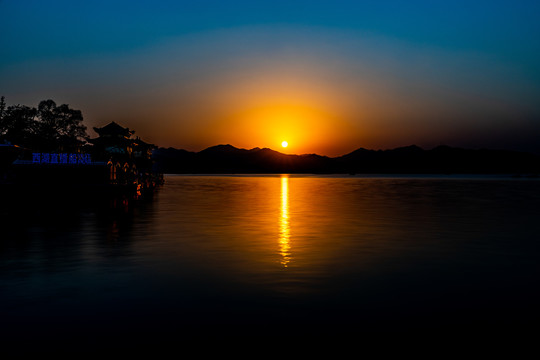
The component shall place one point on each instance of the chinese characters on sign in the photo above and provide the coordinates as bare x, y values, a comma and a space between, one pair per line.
62, 158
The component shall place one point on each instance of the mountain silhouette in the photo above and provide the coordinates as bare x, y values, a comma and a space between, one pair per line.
222, 159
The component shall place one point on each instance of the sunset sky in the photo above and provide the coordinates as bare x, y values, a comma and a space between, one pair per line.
328, 77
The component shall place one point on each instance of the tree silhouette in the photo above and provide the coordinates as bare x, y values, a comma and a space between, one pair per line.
2, 106
47, 128
17, 123
59, 126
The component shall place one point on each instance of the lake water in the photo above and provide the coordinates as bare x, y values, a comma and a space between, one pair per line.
267, 253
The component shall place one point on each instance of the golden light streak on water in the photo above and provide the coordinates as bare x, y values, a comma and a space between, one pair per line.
284, 223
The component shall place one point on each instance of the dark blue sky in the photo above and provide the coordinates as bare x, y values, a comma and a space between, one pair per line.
378, 73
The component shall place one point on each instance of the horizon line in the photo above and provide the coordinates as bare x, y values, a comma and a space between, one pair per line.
359, 148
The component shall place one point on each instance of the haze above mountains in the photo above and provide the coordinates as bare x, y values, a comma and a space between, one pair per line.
227, 159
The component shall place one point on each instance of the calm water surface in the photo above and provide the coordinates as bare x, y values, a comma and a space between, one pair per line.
230, 253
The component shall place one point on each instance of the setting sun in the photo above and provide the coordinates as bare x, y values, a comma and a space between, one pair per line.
284, 144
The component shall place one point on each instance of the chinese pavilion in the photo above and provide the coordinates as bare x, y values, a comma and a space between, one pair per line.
129, 160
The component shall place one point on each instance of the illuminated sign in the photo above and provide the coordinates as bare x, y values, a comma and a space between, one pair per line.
61, 158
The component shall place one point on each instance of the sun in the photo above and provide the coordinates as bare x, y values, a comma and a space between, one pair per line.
284, 144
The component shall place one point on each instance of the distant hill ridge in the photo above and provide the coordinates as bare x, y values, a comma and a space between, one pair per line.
442, 159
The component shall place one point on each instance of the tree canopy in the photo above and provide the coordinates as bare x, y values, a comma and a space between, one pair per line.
49, 127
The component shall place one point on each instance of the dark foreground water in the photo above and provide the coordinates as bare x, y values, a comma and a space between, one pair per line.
279, 254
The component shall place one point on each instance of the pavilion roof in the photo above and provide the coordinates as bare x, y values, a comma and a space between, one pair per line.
113, 129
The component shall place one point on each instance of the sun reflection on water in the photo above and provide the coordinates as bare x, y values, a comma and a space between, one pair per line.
284, 223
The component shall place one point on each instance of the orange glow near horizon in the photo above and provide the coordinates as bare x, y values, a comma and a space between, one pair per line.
308, 129
264, 104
